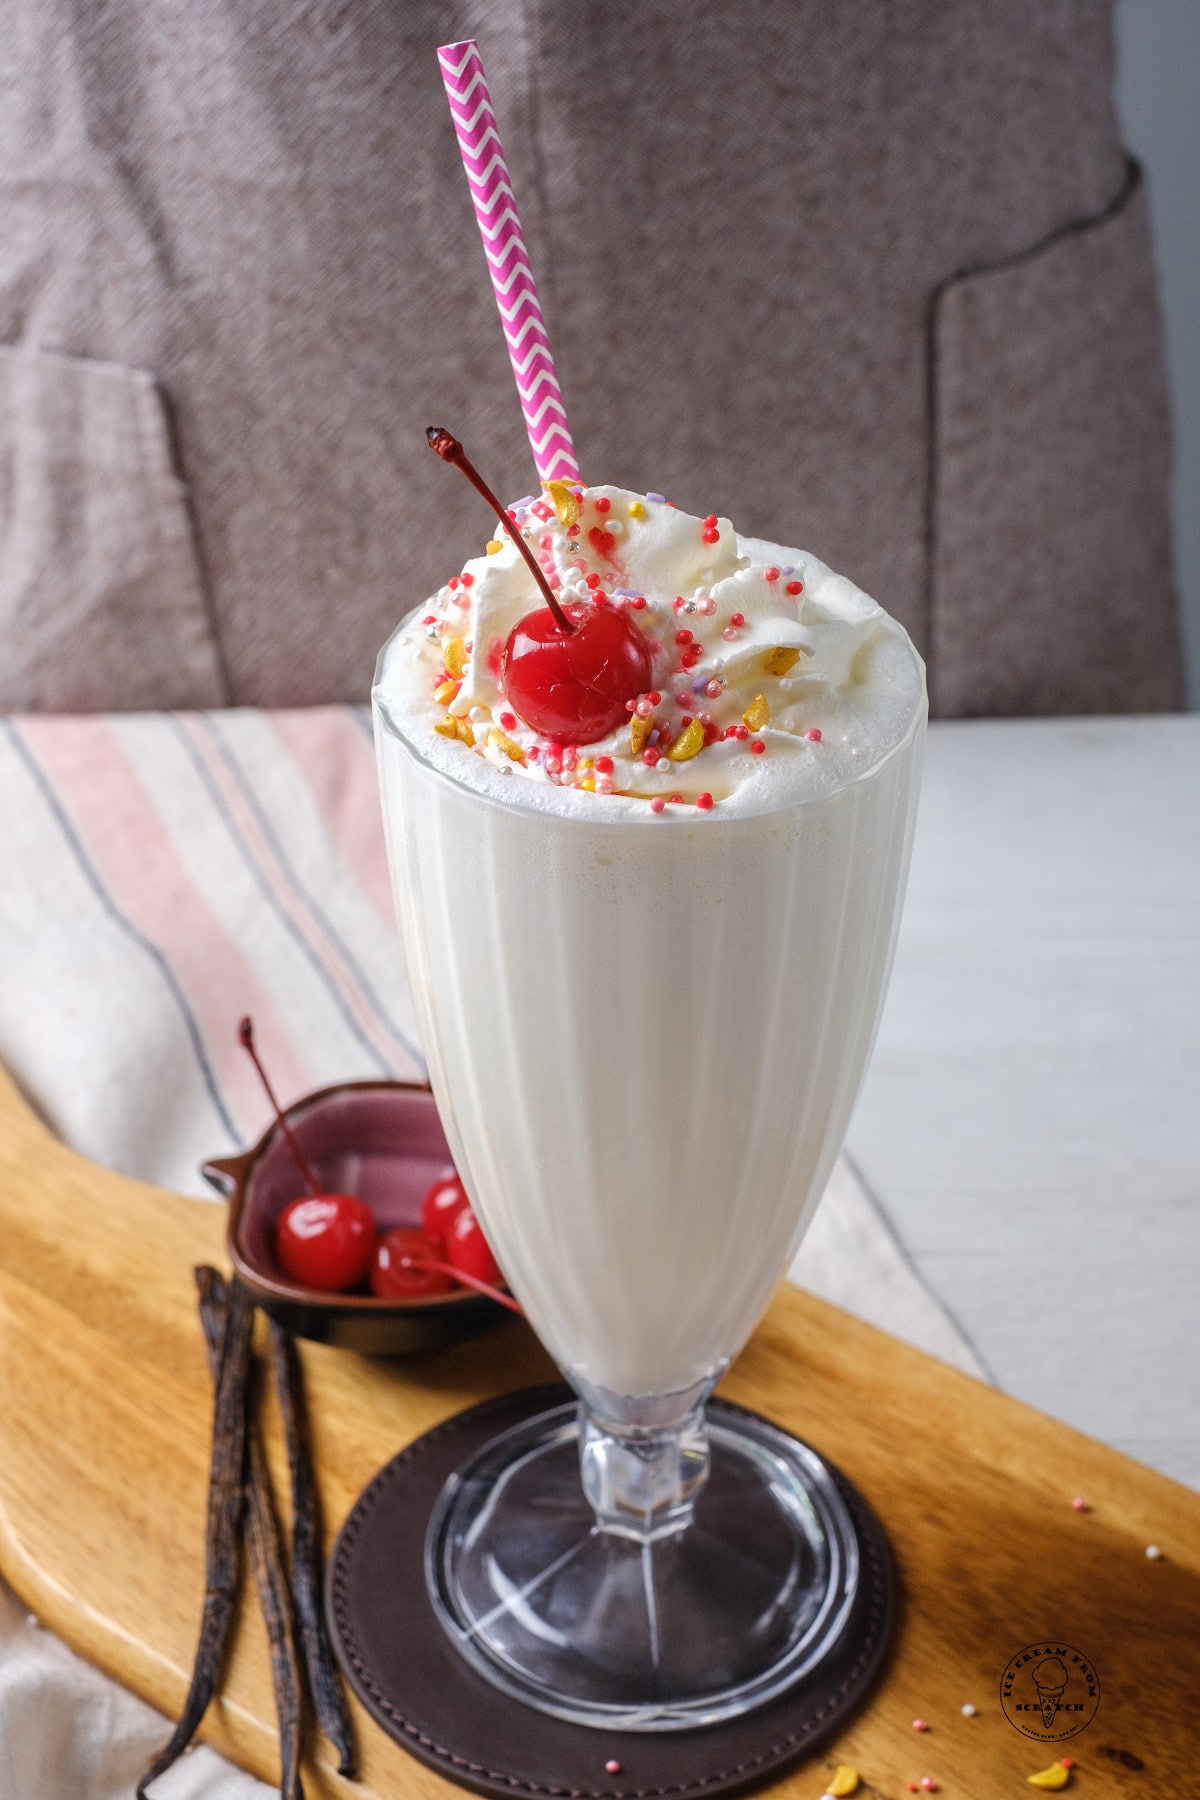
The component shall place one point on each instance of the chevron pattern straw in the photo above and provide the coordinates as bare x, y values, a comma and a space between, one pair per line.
508, 262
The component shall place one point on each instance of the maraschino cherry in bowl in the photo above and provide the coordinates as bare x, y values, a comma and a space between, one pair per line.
383, 1143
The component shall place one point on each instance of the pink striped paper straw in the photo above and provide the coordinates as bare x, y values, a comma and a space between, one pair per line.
508, 261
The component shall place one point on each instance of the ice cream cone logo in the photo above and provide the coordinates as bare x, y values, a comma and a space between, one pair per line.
1050, 1691
1050, 1680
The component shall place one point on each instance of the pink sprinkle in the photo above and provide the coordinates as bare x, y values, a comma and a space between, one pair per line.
1068, 1762
650, 758
468, 580
704, 802
657, 804
794, 587
508, 720
920, 1725
654, 697
813, 735
453, 582
603, 505
771, 574
729, 634
737, 619
604, 765
714, 688
1080, 1504
757, 747
929, 1784
677, 602
593, 580
612, 1766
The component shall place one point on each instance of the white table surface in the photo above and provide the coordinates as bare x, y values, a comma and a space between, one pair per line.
1031, 1118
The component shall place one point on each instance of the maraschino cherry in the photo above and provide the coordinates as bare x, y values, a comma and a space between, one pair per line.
571, 671
322, 1240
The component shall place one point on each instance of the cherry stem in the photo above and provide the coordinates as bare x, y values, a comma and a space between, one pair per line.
451, 451
459, 1275
246, 1040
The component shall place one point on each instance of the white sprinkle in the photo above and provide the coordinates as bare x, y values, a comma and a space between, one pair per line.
1153, 1552
31, 1621
969, 1711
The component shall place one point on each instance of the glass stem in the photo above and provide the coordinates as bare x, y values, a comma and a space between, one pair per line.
642, 1481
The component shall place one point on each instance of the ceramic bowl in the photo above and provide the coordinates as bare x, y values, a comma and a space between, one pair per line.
382, 1140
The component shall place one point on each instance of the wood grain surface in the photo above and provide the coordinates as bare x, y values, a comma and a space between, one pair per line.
104, 1424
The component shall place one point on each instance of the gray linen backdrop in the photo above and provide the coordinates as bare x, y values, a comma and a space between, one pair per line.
875, 279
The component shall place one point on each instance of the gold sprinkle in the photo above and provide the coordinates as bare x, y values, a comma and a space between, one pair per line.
494, 546
445, 692
639, 731
775, 662
565, 502
455, 654
636, 510
500, 740
688, 744
845, 1781
1056, 1776
465, 733
757, 713
446, 727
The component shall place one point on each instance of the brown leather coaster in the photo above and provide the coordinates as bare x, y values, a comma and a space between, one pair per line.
408, 1675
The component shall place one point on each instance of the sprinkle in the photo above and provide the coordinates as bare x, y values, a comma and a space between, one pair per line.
674, 799
688, 744
781, 660
711, 519
445, 692
1056, 1776
659, 497
467, 580
509, 721
1068, 1762
604, 764
683, 636
710, 534
1080, 1504
714, 688
910, 1787
757, 714
845, 1781
729, 634
1153, 1552
920, 1725
654, 696
498, 740
494, 546
813, 735
643, 709
636, 510
708, 607
704, 802
612, 1766
603, 503
650, 758
639, 731
638, 602
794, 587
771, 574
757, 747
969, 1711
657, 804
456, 658
737, 619
929, 1784
593, 580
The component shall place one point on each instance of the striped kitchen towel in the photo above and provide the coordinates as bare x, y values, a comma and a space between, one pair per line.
162, 874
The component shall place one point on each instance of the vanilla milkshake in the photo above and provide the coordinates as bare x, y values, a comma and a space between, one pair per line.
649, 967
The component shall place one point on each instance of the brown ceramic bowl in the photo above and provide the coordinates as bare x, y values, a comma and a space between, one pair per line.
382, 1140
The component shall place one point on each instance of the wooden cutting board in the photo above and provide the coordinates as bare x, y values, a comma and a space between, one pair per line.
104, 1423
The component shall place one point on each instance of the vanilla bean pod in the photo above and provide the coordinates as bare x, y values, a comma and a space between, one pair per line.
221, 1542
324, 1685
266, 1555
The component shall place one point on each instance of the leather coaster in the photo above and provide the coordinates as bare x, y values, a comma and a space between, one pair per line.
408, 1675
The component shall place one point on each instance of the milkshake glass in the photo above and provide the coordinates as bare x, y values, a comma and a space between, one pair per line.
646, 1032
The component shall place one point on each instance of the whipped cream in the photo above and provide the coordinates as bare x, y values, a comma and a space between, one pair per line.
773, 677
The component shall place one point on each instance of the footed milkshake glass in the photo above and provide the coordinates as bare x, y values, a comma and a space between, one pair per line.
645, 1036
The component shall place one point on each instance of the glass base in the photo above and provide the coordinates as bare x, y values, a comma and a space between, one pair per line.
663, 1632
